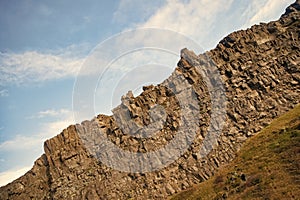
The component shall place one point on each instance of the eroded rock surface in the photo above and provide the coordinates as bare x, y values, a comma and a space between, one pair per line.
260, 69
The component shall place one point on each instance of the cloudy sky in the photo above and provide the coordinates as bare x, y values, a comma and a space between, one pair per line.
43, 45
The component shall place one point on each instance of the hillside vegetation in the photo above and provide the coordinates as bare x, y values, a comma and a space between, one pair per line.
267, 167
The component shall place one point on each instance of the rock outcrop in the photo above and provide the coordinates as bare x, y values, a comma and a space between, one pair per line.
260, 69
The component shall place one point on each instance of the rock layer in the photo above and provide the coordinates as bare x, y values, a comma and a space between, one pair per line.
260, 71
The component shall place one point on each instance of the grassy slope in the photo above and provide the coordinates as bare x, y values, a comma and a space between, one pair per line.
267, 167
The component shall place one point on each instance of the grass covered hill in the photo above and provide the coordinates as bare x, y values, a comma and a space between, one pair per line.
267, 167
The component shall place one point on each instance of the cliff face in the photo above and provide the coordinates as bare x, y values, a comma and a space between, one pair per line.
260, 69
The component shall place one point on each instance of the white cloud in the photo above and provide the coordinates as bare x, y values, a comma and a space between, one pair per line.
49, 113
270, 10
56, 127
7, 176
31, 146
20, 142
35, 66
48, 130
204, 21
4, 93
207, 21
128, 10
195, 18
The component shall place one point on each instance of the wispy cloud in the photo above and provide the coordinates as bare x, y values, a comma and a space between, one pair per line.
4, 93
194, 18
8, 176
50, 113
265, 11
36, 66
128, 10
204, 21
48, 130
31, 146
208, 21
20, 142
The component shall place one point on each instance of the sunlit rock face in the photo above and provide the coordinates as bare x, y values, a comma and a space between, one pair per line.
260, 72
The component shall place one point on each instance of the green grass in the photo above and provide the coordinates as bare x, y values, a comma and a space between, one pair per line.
267, 167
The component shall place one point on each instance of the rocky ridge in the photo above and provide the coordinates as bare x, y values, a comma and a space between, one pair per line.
260, 71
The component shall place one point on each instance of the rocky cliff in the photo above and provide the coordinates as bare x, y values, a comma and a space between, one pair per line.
260, 71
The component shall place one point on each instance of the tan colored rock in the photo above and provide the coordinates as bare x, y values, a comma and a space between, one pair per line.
260, 70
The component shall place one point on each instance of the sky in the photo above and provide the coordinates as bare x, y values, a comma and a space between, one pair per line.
44, 45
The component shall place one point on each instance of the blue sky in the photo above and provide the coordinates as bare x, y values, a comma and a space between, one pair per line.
43, 44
